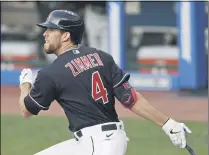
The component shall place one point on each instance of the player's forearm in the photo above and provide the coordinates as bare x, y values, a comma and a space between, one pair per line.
24, 90
145, 110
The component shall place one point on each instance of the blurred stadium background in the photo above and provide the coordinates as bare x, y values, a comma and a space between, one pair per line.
161, 44
149, 46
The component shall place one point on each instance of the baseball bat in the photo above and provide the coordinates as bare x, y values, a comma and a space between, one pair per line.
190, 149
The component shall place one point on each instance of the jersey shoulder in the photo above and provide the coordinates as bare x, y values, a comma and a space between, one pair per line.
45, 71
92, 49
106, 56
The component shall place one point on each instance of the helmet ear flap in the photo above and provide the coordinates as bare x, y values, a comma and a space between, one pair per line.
76, 29
76, 34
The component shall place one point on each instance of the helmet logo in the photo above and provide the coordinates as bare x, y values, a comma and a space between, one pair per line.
70, 12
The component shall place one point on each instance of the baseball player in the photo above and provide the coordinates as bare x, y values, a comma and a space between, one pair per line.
85, 81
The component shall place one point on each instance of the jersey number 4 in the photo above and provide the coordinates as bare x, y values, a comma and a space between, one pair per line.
98, 89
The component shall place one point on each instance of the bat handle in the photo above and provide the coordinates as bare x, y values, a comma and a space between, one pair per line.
190, 149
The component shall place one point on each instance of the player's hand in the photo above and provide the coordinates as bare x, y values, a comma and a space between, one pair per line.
176, 132
26, 76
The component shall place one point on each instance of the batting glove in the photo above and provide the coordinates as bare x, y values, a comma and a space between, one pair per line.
26, 76
176, 132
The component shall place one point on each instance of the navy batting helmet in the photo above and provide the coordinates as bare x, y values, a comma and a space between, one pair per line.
66, 21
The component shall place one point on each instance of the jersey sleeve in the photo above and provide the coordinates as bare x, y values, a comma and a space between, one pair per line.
118, 76
41, 95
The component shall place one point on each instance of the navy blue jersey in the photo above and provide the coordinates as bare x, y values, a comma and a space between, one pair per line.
82, 81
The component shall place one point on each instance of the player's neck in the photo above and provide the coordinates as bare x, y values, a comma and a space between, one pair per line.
65, 48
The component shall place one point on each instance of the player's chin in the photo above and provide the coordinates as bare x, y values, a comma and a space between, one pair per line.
48, 50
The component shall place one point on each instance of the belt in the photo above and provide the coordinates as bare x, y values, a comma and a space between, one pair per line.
106, 127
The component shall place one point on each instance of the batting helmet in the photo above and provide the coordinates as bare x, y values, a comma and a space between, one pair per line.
66, 21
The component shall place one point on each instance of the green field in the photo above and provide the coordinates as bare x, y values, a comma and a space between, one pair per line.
21, 136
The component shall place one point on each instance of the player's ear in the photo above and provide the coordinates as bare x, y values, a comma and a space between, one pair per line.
65, 36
